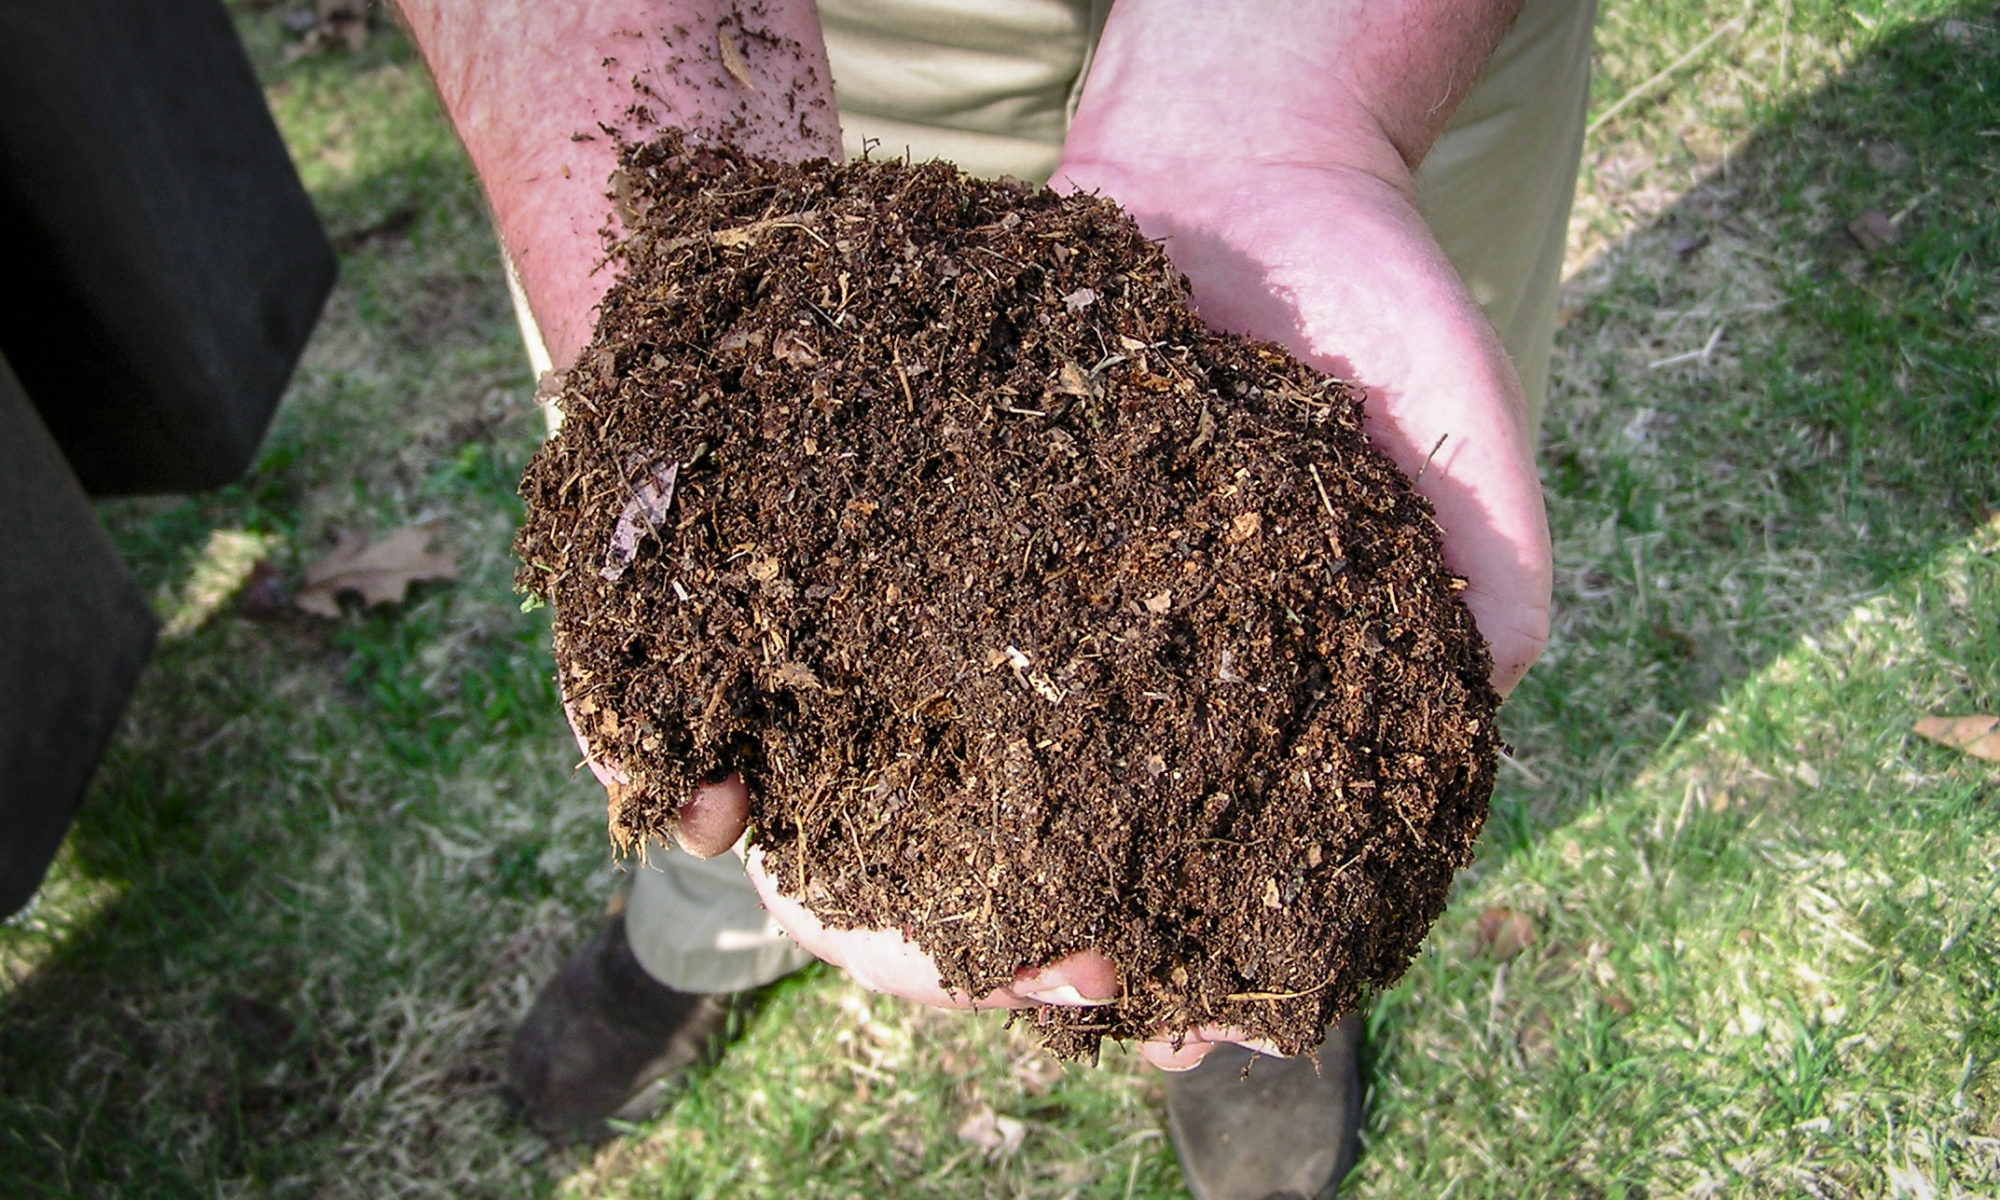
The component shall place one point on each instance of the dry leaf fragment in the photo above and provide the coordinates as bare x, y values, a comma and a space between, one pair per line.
381, 571
344, 21
1243, 527
797, 675
1503, 933
794, 348
1977, 736
997, 1135
1159, 604
1073, 380
644, 513
732, 59
1873, 230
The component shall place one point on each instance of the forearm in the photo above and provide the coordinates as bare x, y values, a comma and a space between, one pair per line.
1361, 83
532, 88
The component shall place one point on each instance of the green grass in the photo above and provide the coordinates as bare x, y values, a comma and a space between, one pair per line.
326, 863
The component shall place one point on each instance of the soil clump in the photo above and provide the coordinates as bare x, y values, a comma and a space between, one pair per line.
1036, 615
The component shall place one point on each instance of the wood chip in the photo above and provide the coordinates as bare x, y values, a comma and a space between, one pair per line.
732, 59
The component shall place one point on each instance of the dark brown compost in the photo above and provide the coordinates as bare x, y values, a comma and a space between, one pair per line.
1036, 615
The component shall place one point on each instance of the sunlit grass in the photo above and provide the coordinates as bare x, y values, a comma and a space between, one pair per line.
327, 863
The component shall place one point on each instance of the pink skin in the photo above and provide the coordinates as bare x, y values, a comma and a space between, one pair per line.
1271, 150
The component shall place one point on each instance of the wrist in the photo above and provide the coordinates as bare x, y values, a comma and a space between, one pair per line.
541, 93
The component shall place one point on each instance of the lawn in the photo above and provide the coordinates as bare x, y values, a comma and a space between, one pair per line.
1732, 930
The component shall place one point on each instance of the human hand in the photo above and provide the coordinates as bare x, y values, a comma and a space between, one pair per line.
883, 960
1273, 157
1336, 264
712, 821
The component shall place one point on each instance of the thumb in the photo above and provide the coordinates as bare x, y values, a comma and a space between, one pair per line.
713, 817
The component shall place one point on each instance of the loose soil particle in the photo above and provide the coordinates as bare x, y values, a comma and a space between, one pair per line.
1036, 616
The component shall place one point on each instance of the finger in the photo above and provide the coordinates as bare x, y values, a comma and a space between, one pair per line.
1218, 1035
1196, 1044
884, 960
713, 817
881, 960
607, 774
1085, 977
1169, 1057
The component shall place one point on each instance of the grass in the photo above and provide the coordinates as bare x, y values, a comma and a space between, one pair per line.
327, 863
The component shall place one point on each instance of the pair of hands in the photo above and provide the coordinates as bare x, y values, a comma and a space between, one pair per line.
1270, 146
1338, 265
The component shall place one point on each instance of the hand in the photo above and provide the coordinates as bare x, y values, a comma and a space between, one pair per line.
1274, 157
713, 820
1336, 264
883, 960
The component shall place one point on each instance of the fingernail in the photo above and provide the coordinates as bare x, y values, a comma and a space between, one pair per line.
1179, 1070
1062, 993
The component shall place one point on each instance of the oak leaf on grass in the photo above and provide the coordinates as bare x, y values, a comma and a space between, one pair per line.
998, 1136
1503, 933
381, 571
1977, 736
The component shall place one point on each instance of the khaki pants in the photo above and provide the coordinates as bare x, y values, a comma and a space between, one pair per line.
991, 86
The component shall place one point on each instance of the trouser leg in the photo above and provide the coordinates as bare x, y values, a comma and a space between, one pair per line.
1496, 187
696, 925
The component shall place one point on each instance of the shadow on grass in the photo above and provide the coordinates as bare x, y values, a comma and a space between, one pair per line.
306, 972
1777, 398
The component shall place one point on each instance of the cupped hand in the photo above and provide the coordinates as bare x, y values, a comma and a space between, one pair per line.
1336, 264
712, 821
1320, 248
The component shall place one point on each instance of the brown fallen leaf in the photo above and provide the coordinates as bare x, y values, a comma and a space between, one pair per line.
381, 571
1977, 736
998, 1136
1503, 933
644, 513
1873, 230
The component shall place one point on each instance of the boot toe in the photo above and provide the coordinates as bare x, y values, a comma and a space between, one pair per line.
605, 1041
1284, 1129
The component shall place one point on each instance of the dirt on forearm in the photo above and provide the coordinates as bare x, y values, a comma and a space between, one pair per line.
1036, 616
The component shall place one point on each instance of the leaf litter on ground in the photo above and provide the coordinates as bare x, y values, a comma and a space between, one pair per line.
381, 571
1977, 736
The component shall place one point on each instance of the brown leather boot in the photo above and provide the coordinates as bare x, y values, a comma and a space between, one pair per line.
1286, 1131
606, 1041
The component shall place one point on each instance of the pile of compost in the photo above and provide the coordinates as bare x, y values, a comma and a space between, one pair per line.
1035, 615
